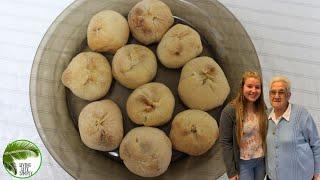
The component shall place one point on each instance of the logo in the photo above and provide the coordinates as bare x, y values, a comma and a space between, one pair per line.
22, 158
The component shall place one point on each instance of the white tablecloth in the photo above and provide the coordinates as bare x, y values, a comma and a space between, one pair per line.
286, 35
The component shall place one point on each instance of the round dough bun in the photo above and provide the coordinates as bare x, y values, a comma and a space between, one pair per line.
151, 104
193, 132
149, 20
146, 151
101, 126
107, 31
178, 46
134, 65
202, 84
88, 76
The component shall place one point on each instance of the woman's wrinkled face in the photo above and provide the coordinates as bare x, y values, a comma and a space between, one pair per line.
279, 97
252, 89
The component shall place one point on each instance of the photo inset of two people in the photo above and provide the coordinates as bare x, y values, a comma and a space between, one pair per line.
277, 143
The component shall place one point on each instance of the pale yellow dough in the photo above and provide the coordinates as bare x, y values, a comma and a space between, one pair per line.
178, 46
146, 151
88, 76
151, 104
101, 125
193, 132
203, 85
149, 20
134, 65
107, 31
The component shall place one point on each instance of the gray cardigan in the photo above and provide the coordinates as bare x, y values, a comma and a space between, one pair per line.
228, 140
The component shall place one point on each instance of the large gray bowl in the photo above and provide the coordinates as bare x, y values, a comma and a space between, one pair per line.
55, 109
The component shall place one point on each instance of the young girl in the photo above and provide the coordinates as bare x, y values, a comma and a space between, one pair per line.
243, 126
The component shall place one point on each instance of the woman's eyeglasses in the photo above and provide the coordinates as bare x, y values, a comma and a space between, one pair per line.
279, 92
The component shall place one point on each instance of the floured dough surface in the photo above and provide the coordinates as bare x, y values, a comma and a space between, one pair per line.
146, 151
107, 31
193, 132
88, 76
151, 104
203, 85
149, 20
101, 125
178, 46
134, 65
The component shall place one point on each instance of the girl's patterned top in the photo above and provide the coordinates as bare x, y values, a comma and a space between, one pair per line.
251, 142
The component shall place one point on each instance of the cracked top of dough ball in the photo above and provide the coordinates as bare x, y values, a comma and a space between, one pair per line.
149, 20
146, 151
134, 65
101, 125
151, 104
193, 132
88, 76
107, 31
178, 46
203, 85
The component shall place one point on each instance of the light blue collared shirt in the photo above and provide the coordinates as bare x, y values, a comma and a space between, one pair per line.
293, 146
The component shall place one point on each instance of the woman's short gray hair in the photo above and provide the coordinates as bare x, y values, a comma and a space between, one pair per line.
281, 79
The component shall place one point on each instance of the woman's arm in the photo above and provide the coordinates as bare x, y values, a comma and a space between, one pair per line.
226, 140
312, 135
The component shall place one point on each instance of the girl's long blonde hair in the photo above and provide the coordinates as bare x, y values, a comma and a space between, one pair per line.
239, 103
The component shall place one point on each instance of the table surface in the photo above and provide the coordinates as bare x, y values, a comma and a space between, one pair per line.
285, 34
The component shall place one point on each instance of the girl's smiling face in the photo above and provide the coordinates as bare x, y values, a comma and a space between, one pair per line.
252, 89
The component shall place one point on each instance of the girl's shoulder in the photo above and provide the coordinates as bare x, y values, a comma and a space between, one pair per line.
229, 109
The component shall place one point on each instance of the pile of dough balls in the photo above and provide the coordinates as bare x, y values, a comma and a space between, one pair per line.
146, 150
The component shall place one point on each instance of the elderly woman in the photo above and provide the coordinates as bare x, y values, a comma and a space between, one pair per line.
293, 144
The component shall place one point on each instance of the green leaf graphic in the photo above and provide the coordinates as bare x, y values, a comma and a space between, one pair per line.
18, 150
11, 167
